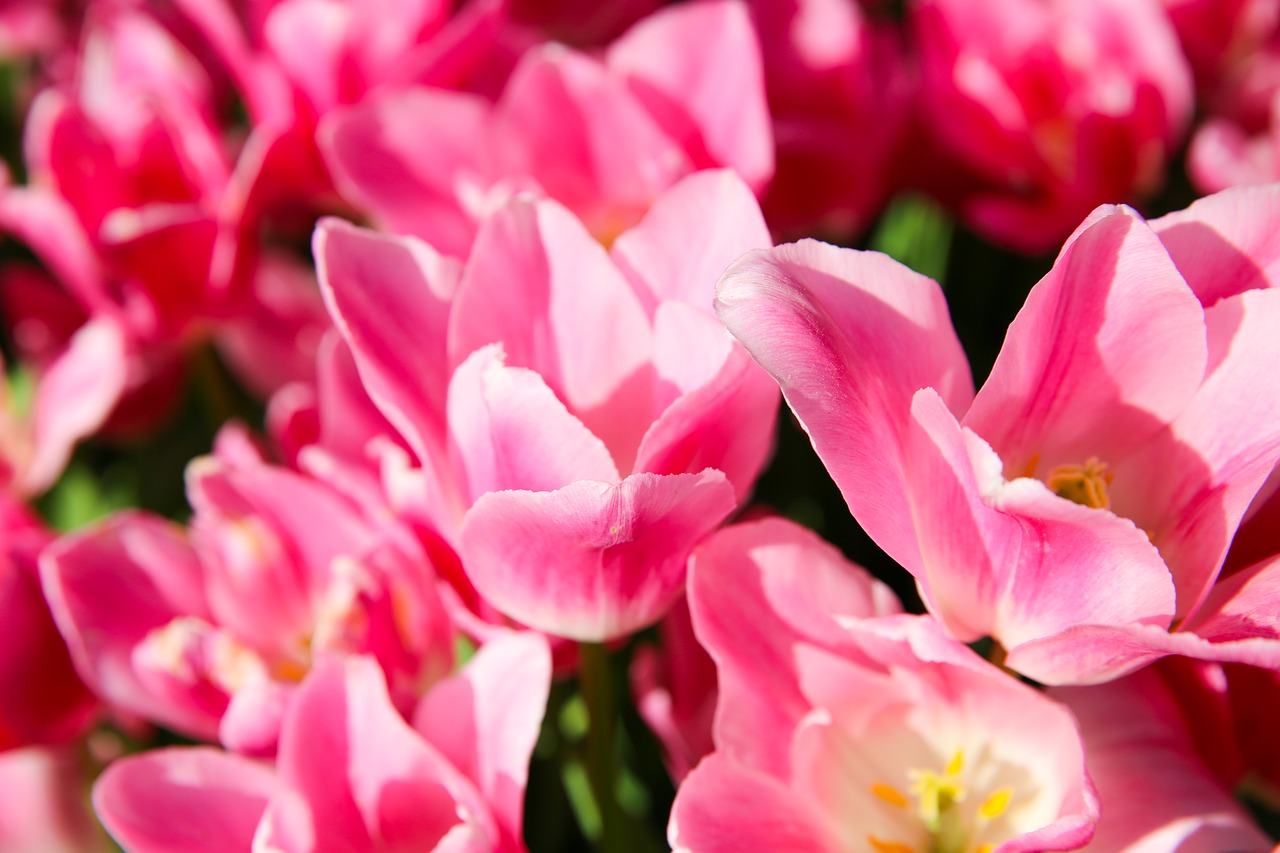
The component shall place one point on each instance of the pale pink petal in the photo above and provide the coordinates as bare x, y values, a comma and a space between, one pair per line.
1090, 654
948, 696
510, 431
1107, 350
1013, 560
201, 800
1191, 488
722, 807
390, 298
406, 157
73, 398
689, 348
1243, 606
698, 69
754, 590
540, 285
1222, 155
1157, 796
1226, 243
689, 237
849, 336
487, 719
250, 725
577, 130
723, 421
592, 561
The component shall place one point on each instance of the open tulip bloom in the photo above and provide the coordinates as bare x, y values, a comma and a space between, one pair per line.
580, 418
1077, 509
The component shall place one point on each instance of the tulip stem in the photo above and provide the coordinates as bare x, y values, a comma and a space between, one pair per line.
602, 741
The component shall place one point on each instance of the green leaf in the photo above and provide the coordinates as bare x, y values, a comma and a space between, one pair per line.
916, 231
81, 497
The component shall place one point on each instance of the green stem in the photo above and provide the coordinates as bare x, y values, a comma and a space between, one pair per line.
602, 742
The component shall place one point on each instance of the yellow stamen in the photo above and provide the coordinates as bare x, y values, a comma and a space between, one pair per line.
890, 795
996, 804
956, 764
937, 794
1084, 484
888, 846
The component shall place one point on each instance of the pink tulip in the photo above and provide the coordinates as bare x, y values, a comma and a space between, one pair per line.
351, 774
209, 633
1050, 107
577, 412
839, 728
681, 90
1079, 508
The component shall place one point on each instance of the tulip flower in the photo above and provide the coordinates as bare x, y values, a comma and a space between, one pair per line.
209, 632
580, 418
351, 773
1079, 508
842, 729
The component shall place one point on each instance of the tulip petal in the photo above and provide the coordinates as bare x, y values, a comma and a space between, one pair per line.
487, 719
574, 318
199, 800
404, 155
1191, 486
755, 590
698, 69
1012, 559
591, 561
1107, 350
1226, 243
577, 131
366, 777
390, 298
689, 237
108, 588
73, 398
723, 421
510, 431
1156, 793
720, 804
849, 336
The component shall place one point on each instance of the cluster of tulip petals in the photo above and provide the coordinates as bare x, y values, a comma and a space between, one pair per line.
407, 405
